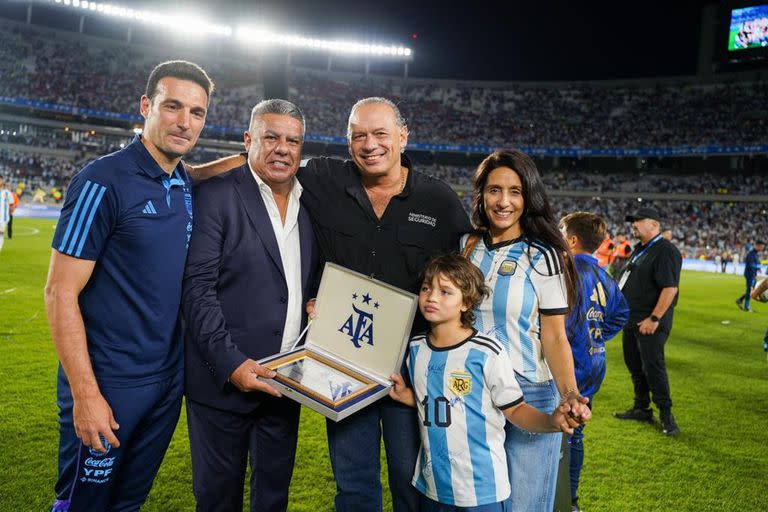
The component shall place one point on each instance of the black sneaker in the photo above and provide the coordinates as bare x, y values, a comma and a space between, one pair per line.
668, 424
636, 414
740, 304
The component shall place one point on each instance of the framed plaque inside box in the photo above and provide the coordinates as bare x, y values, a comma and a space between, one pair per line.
356, 341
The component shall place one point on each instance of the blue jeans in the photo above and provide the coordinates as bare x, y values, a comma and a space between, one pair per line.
533, 458
354, 444
428, 505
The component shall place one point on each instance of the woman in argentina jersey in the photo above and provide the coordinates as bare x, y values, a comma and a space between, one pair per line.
528, 268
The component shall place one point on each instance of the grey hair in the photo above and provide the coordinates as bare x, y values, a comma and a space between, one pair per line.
399, 119
279, 107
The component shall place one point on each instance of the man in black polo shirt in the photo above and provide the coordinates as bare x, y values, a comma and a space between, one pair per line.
650, 283
378, 216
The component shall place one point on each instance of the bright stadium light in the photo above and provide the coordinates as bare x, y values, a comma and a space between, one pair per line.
189, 24
248, 34
195, 24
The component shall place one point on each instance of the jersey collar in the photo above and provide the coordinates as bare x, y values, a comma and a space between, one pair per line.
148, 165
586, 258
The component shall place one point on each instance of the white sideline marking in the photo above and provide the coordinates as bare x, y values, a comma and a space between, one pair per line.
27, 231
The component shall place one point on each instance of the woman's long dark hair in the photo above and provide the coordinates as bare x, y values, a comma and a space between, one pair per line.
538, 220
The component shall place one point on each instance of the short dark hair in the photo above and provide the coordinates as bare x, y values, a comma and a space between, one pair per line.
587, 227
181, 69
279, 107
465, 276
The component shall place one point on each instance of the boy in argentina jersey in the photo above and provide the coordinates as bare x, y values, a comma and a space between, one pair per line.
464, 388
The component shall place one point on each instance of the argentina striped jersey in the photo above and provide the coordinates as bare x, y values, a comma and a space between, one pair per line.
525, 280
460, 392
6, 199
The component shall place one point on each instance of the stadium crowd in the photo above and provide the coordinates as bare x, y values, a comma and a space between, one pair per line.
700, 228
601, 181
581, 116
45, 66
35, 171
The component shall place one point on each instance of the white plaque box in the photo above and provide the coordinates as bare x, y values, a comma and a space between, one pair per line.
356, 341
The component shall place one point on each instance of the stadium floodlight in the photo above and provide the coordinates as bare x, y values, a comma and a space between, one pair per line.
262, 36
195, 25
189, 23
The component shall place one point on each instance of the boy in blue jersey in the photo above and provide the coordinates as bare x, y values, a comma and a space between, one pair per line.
464, 388
751, 269
113, 296
601, 313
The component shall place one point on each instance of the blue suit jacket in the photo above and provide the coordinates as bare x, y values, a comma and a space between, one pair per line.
235, 297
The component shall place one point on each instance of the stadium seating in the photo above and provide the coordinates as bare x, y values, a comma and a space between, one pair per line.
62, 69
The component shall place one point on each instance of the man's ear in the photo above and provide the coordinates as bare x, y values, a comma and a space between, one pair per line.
145, 105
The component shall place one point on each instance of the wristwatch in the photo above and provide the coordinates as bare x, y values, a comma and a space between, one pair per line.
654, 318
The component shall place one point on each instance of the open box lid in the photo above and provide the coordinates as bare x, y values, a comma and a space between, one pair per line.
362, 320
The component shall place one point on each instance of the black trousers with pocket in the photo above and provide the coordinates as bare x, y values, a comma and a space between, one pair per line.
644, 357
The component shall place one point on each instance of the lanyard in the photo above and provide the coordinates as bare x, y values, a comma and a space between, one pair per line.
633, 259
636, 256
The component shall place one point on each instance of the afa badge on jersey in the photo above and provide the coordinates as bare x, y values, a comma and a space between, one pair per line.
460, 383
507, 268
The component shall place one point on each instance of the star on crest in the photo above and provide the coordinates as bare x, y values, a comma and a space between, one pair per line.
366, 299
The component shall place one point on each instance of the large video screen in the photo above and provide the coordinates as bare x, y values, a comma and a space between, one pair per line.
749, 28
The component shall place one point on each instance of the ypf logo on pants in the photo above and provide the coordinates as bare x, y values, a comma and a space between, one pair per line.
97, 467
97, 471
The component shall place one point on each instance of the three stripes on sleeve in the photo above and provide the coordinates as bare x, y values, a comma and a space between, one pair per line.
81, 219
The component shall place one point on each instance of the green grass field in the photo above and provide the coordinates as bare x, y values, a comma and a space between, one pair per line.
717, 369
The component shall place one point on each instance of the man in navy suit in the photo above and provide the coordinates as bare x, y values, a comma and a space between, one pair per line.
252, 265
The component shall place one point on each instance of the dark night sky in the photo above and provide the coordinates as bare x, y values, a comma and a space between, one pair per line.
510, 40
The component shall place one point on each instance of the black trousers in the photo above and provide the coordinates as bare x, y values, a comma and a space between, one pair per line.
644, 357
222, 442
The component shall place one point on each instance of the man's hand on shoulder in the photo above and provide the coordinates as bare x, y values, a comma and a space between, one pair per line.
246, 378
202, 172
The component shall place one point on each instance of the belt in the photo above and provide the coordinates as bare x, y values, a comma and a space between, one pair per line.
596, 350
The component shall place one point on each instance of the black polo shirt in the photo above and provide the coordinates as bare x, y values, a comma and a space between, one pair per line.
425, 219
657, 268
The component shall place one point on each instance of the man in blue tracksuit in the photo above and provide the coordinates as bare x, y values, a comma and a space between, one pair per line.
751, 269
113, 297
601, 313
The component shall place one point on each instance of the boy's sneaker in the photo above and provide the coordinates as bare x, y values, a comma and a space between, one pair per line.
635, 413
740, 304
668, 424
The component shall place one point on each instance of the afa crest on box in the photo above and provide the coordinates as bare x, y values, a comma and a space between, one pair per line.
355, 343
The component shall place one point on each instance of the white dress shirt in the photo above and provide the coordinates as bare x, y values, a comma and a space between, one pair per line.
288, 243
